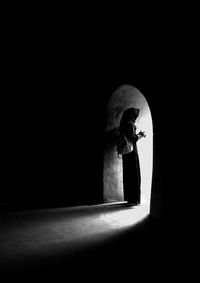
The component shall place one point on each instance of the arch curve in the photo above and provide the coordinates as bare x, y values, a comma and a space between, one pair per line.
124, 97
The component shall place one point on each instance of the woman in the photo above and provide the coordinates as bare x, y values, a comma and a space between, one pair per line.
131, 166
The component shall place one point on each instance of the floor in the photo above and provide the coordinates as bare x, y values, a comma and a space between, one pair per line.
60, 241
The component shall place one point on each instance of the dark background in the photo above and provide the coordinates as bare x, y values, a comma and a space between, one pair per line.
57, 80
58, 72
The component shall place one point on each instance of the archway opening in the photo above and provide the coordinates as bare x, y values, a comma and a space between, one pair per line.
124, 97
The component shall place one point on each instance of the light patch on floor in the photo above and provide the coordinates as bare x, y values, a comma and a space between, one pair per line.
46, 233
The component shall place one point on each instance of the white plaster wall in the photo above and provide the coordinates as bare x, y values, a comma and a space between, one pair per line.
124, 97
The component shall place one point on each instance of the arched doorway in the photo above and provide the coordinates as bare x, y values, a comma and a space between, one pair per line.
124, 97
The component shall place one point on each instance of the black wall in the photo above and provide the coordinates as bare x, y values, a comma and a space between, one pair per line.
53, 116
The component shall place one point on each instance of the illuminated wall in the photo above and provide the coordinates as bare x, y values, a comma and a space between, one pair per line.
124, 97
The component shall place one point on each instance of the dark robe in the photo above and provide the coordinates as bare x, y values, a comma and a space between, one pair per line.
131, 166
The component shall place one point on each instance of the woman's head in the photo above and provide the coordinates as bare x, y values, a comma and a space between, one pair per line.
131, 114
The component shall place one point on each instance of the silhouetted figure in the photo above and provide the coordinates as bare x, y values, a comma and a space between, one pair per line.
131, 166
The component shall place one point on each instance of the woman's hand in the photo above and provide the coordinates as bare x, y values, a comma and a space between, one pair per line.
141, 135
